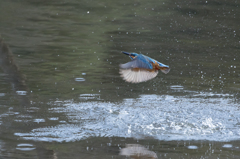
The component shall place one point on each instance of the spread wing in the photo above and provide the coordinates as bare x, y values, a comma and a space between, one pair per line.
137, 76
138, 70
139, 62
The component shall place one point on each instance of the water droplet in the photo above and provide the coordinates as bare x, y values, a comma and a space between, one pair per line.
53, 118
227, 145
39, 120
192, 147
22, 93
2, 94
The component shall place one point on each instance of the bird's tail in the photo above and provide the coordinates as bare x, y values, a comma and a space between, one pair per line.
165, 69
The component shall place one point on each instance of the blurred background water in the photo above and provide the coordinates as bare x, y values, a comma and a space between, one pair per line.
62, 96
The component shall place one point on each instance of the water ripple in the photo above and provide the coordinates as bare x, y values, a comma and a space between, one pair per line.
25, 147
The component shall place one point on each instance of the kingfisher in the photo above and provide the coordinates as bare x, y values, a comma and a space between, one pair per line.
142, 68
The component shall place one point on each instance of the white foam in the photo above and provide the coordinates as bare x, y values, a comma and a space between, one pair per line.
161, 117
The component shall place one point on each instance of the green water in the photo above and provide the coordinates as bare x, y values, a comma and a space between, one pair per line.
70, 51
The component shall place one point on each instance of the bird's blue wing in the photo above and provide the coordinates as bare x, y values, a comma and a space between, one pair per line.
139, 62
162, 65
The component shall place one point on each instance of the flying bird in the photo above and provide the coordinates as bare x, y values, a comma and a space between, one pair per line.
142, 68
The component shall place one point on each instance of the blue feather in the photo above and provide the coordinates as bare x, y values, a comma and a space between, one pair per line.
138, 62
141, 68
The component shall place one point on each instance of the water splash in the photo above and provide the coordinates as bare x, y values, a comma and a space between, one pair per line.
23, 93
161, 117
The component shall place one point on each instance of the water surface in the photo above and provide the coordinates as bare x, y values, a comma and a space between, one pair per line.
66, 99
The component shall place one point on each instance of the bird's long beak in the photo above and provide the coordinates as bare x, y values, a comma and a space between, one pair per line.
126, 53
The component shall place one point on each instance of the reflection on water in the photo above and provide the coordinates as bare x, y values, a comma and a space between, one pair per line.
138, 152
